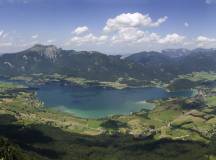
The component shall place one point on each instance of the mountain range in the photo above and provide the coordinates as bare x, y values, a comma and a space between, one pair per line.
164, 65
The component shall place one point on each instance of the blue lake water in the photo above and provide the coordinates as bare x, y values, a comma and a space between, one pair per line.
97, 102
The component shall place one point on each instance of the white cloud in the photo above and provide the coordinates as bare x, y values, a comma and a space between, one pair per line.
150, 37
203, 41
186, 24
80, 30
35, 36
127, 20
130, 37
86, 39
210, 1
51, 41
172, 39
127, 35
134, 35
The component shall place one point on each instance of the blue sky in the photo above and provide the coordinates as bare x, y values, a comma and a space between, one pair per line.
114, 26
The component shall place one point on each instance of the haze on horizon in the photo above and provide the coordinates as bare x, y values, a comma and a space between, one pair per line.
113, 27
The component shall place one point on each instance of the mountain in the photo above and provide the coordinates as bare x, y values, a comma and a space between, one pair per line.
175, 62
163, 65
49, 60
50, 52
198, 60
156, 63
175, 53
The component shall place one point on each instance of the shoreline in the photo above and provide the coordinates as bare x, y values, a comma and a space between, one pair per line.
33, 87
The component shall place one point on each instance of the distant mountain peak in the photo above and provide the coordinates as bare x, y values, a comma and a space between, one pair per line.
175, 53
41, 46
176, 50
50, 51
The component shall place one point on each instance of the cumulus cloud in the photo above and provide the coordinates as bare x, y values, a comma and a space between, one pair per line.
150, 37
51, 41
89, 38
126, 29
203, 41
80, 30
35, 36
127, 20
172, 39
134, 35
127, 35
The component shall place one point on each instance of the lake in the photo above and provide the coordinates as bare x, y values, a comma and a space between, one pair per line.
98, 102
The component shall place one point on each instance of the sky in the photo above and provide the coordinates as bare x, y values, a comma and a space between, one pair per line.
108, 26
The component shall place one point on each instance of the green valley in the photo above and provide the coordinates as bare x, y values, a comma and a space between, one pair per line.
174, 123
